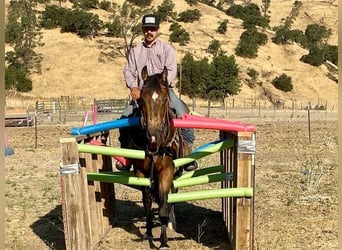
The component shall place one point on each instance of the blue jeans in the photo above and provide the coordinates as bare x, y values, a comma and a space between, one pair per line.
179, 107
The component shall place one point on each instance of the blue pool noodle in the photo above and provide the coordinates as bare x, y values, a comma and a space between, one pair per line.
119, 123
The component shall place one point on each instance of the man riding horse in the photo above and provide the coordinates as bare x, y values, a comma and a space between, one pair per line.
155, 55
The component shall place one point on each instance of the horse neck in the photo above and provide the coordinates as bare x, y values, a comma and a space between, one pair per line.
169, 115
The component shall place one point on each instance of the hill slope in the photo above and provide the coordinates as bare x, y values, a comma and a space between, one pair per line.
77, 67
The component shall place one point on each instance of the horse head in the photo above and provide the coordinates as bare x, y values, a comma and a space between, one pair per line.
155, 108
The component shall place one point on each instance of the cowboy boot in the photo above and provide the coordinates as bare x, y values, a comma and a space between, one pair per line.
191, 165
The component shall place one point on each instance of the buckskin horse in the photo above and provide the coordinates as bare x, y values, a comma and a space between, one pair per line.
162, 143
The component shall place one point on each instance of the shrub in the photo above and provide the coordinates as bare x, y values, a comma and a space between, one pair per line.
189, 16
253, 74
85, 4
283, 82
179, 34
251, 21
315, 56
282, 35
315, 34
236, 11
246, 49
82, 23
331, 53
13, 30
299, 37
52, 17
16, 78
250, 14
249, 42
141, 3
165, 9
105, 5
222, 28
114, 28
214, 48
192, 2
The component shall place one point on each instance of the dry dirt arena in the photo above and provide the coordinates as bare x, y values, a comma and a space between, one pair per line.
295, 190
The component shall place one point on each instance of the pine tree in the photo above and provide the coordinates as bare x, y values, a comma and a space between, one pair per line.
23, 33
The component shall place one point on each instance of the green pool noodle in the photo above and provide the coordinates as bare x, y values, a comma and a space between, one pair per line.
112, 178
113, 151
200, 180
202, 171
202, 153
210, 194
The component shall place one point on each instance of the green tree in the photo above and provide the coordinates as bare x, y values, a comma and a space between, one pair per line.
127, 22
22, 32
331, 53
189, 87
249, 43
81, 22
283, 82
179, 34
297, 5
224, 78
52, 17
317, 35
214, 48
166, 9
195, 76
16, 78
315, 56
189, 16
141, 3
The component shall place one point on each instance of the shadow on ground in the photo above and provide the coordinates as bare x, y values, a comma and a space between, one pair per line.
50, 229
200, 224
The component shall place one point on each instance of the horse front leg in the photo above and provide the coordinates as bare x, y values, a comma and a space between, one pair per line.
147, 201
164, 210
165, 180
172, 214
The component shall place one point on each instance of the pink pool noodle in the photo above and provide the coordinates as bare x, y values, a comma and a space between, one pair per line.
203, 118
190, 121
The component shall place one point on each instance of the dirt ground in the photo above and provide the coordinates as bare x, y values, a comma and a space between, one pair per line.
295, 191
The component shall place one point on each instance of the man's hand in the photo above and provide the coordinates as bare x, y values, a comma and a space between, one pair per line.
135, 93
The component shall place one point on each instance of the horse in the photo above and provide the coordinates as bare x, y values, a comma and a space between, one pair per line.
162, 144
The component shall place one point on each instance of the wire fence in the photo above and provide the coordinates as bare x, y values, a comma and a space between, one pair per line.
73, 109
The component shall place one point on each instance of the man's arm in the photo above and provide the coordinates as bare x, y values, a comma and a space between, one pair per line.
171, 64
130, 71
130, 74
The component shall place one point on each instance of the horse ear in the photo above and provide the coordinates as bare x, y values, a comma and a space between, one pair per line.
144, 73
164, 75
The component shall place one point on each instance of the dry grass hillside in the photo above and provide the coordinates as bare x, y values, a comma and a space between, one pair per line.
78, 67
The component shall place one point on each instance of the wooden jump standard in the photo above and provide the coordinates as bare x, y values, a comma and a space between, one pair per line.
89, 205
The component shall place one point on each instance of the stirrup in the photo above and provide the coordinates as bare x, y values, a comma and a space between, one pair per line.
122, 167
190, 166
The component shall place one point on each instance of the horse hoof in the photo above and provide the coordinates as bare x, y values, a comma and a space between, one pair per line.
164, 248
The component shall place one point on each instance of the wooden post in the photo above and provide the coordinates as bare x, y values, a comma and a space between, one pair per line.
88, 206
75, 206
238, 213
245, 206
